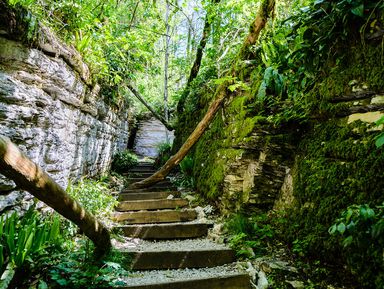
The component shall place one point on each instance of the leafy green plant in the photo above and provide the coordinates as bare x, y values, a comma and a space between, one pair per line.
249, 235
163, 153
380, 137
94, 196
361, 233
22, 239
78, 270
123, 161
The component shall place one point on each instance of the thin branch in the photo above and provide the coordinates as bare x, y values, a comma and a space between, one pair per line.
155, 114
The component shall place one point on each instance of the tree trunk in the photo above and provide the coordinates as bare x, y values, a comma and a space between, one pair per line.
155, 114
166, 62
30, 177
266, 9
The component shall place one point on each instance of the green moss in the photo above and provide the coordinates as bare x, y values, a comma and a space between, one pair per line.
338, 166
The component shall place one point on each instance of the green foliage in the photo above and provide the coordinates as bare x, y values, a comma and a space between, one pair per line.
78, 270
186, 179
361, 231
272, 83
164, 152
249, 235
21, 239
186, 165
123, 161
380, 138
94, 196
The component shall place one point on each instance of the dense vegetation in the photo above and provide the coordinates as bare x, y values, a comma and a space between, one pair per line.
286, 98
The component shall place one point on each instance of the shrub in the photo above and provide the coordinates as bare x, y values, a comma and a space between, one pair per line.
249, 235
164, 153
123, 161
361, 233
94, 196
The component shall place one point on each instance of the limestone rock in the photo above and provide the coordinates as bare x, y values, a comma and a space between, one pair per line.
53, 114
150, 134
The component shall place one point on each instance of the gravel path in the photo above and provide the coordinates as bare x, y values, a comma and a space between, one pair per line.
139, 245
165, 276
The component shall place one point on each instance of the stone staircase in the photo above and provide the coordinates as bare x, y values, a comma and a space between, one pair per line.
167, 242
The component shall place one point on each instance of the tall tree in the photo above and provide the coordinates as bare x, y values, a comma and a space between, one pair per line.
265, 11
166, 61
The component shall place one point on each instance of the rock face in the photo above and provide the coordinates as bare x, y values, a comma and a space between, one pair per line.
150, 134
254, 179
57, 119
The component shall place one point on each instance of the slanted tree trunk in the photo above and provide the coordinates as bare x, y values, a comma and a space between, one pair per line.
155, 114
266, 9
30, 177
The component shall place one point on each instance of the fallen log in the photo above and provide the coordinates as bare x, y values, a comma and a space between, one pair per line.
30, 177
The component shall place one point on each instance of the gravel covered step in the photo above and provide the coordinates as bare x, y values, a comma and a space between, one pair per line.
176, 254
151, 205
229, 281
221, 277
166, 231
163, 216
150, 189
145, 169
138, 174
181, 259
147, 195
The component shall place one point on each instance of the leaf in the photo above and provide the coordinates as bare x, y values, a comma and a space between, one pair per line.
332, 229
233, 87
359, 10
262, 93
380, 121
341, 228
380, 140
42, 285
347, 241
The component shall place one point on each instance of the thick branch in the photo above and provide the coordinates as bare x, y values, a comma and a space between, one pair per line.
267, 8
30, 177
155, 114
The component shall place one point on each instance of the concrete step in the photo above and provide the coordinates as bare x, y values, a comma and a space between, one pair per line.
147, 195
151, 205
220, 281
163, 216
166, 231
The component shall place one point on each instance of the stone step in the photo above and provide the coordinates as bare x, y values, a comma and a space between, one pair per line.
151, 204
147, 195
163, 216
165, 231
220, 281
